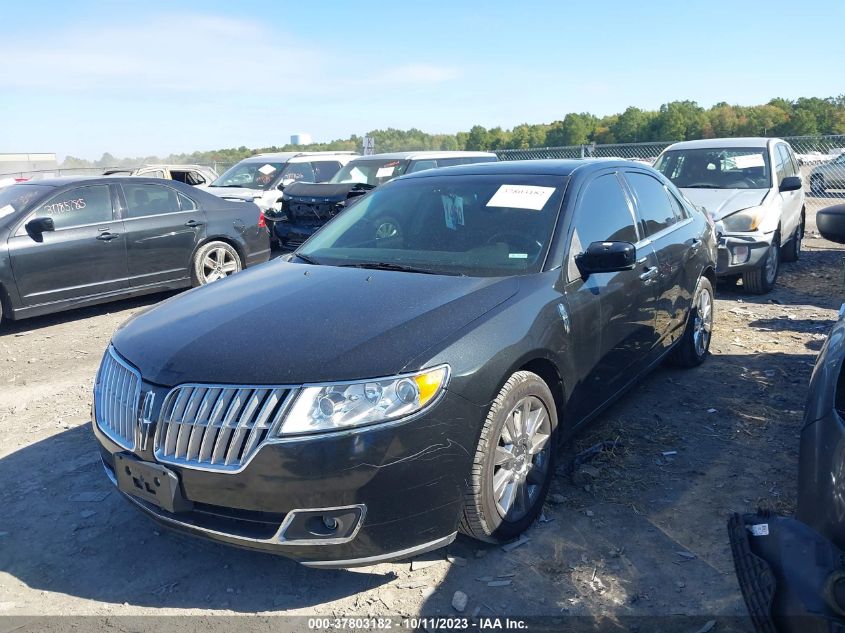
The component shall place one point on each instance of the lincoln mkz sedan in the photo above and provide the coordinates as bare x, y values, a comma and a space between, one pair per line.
418, 381
70, 242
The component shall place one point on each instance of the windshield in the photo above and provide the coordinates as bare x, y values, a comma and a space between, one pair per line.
371, 172
16, 197
491, 225
250, 175
714, 168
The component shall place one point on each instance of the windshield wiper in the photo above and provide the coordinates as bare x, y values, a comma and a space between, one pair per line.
699, 187
391, 266
307, 259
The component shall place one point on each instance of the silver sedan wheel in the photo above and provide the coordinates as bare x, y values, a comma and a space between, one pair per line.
522, 458
703, 324
218, 263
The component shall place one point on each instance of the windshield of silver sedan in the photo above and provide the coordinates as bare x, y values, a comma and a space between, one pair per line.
369, 171
717, 168
491, 225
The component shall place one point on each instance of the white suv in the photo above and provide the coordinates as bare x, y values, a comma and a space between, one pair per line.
753, 191
261, 178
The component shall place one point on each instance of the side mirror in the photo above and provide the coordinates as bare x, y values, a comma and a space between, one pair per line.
831, 223
791, 183
37, 226
606, 257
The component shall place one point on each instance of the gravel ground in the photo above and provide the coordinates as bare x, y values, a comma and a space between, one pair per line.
637, 531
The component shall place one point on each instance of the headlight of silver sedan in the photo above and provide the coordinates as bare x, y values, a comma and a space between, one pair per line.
347, 405
744, 221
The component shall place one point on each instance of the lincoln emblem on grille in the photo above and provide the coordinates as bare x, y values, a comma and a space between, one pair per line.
146, 420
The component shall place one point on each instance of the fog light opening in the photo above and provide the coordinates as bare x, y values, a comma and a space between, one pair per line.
740, 254
322, 525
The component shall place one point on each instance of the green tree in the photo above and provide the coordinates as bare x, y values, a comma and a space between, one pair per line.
478, 139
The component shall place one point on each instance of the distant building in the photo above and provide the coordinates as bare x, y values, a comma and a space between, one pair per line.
25, 164
300, 139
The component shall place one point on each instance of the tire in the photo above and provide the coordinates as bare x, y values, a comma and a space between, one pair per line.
761, 280
694, 344
792, 251
817, 186
524, 469
215, 260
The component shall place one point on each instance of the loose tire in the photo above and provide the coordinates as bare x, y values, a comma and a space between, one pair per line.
514, 461
817, 186
792, 251
762, 279
214, 261
694, 345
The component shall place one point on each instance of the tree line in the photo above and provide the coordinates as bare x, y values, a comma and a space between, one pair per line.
674, 121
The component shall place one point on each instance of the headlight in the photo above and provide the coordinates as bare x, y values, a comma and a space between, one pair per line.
745, 220
346, 405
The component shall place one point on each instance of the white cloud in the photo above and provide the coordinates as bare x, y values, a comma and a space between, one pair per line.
191, 53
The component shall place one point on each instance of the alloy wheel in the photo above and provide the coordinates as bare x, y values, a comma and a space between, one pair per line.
217, 264
703, 323
772, 262
522, 458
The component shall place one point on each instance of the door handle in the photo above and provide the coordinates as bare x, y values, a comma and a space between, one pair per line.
193, 223
649, 273
108, 237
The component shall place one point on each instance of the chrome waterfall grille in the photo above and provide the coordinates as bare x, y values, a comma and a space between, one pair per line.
117, 394
217, 427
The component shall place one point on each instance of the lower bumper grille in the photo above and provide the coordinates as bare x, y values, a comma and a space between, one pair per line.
217, 427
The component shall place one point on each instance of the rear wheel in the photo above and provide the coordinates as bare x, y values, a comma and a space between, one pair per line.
514, 461
214, 261
762, 279
694, 345
792, 251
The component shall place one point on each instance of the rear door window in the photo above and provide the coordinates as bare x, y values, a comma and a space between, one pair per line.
655, 210
79, 206
144, 200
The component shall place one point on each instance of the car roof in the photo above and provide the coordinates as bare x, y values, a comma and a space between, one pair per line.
61, 181
430, 155
286, 156
718, 143
541, 167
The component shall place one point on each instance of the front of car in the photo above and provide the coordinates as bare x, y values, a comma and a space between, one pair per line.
735, 186
257, 179
349, 439
308, 206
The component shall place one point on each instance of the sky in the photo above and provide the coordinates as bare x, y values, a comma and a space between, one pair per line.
150, 78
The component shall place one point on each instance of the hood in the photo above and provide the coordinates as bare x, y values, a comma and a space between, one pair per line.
284, 323
321, 192
239, 193
722, 202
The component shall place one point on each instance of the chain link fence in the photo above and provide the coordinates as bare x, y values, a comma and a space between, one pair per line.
93, 171
821, 159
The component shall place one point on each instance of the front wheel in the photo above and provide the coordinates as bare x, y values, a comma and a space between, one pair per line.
214, 261
514, 461
762, 279
692, 348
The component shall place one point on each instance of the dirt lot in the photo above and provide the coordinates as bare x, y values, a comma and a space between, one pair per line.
638, 531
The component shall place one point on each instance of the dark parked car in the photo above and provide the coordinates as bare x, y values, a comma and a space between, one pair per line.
792, 569
66, 243
417, 382
307, 206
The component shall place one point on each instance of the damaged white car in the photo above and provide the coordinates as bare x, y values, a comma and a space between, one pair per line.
753, 191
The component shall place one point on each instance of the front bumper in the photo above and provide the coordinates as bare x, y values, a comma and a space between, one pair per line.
741, 252
409, 477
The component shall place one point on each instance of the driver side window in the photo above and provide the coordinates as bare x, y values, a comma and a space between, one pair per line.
602, 214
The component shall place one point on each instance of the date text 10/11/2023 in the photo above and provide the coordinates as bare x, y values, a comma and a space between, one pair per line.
426, 623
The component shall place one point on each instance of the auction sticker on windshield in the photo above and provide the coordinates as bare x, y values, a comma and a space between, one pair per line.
748, 160
528, 197
384, 172
267, 169
7, 210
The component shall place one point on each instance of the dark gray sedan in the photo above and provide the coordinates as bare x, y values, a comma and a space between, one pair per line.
66, 243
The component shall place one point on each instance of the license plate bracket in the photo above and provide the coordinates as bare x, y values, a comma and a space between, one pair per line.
152, 483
